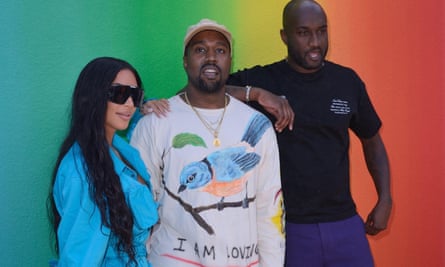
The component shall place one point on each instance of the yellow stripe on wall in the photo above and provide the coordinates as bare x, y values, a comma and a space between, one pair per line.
257, 33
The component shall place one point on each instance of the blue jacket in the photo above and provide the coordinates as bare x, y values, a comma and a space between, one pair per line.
82, 238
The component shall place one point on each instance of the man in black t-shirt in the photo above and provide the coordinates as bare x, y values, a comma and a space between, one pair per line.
322, 225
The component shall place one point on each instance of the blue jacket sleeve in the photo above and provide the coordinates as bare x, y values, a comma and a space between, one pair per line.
82, 238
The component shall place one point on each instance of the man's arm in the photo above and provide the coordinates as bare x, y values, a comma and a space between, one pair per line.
378, 166
278, 106
269, 202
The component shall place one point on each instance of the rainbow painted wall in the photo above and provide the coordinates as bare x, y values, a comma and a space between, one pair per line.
398, 48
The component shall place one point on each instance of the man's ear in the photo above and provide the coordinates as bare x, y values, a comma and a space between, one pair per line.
283, 36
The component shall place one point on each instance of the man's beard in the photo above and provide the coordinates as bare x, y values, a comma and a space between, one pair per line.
300, 59
206, 87
303, 63
209, 87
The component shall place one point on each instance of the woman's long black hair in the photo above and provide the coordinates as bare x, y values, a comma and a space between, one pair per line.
87, 129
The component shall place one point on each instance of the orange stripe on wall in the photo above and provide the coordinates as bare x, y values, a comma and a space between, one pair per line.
398, 49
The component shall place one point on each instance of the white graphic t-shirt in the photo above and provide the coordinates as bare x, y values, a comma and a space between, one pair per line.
220, 204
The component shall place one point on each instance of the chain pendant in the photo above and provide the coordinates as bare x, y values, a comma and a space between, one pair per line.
214, 132
216, 142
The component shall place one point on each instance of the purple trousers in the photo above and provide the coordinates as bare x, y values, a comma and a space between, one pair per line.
333, 244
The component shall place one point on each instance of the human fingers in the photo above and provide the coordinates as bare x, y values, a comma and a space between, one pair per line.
286, 116
163, 105
280, 115
290, 115
371, 230
146, 108
372, 227
160, 107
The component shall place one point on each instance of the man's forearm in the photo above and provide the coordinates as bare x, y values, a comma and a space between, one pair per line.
378, 165
238, 92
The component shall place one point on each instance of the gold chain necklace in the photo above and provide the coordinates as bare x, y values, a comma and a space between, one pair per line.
213, 131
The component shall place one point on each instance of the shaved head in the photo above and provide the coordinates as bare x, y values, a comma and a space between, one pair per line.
305, 35
294, 8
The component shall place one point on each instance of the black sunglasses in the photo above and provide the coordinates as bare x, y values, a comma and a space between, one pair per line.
119, 94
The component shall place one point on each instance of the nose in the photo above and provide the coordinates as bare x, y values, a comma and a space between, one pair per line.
129, 102
211, 56
314, 41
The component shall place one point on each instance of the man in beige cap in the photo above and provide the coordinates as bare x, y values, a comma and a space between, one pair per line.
214, 166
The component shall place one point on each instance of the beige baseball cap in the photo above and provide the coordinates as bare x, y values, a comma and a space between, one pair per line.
204, 25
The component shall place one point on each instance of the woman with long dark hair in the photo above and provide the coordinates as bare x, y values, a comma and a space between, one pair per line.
102, 205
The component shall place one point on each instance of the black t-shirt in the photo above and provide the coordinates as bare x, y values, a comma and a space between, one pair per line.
315, 155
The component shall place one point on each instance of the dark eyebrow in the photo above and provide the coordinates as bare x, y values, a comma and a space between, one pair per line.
325, 26
223, 43
195, 43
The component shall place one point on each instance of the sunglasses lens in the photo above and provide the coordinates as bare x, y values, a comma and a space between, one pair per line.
137, 96
120, 93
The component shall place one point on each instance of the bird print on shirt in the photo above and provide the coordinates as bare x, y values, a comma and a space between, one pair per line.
225, 172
